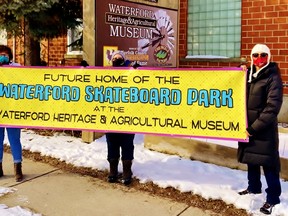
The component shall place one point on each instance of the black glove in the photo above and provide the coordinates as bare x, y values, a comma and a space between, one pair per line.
84, 63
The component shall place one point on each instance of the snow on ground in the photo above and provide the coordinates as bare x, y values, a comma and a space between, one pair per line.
208, 180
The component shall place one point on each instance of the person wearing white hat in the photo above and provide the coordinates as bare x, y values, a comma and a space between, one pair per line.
264, 100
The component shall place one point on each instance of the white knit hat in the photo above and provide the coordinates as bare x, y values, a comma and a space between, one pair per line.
120, 53
259, 48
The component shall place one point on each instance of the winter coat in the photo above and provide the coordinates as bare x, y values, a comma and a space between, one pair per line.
264, 100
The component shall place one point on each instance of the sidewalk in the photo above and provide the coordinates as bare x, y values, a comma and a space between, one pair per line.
51, 192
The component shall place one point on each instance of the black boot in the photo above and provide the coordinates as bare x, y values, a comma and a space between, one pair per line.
127, 172
1, 170
266, 208
113, 172
18, 172
247, 191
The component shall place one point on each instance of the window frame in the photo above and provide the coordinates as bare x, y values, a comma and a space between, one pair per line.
71, 38
3, 37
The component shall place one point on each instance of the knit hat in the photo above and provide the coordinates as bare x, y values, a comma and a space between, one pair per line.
259, 48
120, 53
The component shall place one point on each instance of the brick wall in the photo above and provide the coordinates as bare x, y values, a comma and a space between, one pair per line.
263, 21
58, 53
17, 45
53, 52
57, 50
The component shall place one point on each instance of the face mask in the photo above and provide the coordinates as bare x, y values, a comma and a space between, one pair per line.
118, 62
260, 61
4, 60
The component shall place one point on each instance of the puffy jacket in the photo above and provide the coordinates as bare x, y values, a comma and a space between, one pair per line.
264, 100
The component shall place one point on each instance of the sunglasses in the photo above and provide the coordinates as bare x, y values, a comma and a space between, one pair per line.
262, 55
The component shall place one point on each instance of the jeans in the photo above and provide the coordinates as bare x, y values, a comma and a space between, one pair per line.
15, 144
273, 182
117, 141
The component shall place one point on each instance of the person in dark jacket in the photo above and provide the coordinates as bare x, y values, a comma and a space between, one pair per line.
117, 141
264, 100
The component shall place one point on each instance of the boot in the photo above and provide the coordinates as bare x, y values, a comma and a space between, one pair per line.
18, 172
266, 208
127, 172
1, 170
113, 173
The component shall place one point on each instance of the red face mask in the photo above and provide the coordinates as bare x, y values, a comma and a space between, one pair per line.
260, 61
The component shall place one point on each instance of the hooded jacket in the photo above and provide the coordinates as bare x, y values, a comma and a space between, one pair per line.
264, 100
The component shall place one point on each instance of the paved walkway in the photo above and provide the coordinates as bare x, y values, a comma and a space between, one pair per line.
52, 192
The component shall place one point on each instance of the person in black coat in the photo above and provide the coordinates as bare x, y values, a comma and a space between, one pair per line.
264, 100
117, 141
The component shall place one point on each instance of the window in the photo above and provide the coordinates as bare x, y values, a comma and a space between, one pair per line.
3, 37
74, 40
214, 28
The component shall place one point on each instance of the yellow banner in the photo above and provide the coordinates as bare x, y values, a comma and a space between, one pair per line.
198, 103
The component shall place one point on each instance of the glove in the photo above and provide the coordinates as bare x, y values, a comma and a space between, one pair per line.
4, 60
84, 63
135, 65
